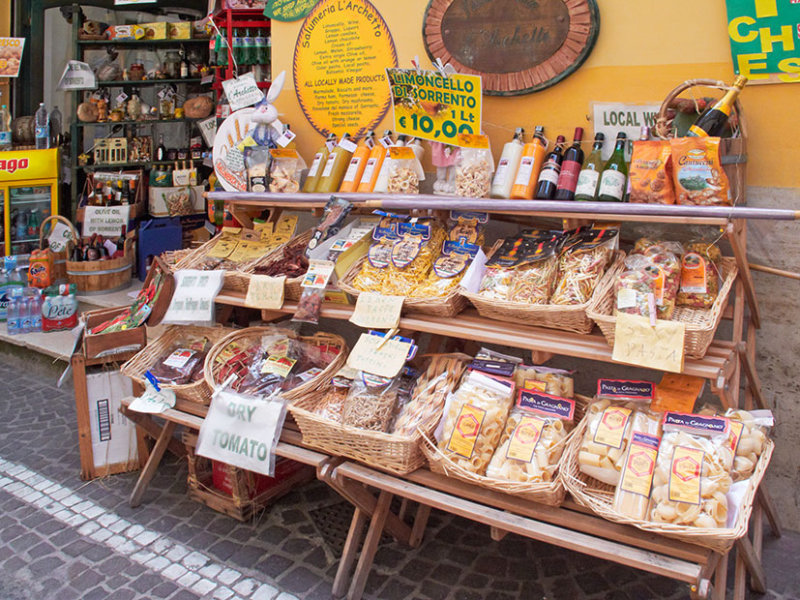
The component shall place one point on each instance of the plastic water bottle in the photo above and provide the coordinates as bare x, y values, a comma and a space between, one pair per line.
13, 312
25, 313
36, 310
5, 128
42, 128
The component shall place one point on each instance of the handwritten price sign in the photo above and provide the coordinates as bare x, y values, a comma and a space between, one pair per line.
636, 342
265, 292
385, 361
377, 311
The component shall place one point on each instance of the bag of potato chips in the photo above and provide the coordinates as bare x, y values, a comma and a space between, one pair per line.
697, 172
651, 180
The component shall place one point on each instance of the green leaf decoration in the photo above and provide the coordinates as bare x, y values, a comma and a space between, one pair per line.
289, 10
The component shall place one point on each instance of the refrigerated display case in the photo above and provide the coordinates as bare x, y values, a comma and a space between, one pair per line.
28, 195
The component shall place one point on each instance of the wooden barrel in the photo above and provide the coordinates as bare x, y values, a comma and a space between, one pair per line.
23, 130
101, 276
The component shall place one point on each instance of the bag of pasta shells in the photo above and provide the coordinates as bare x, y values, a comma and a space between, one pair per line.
474, 419
583, 263
699, 275
533, 439
748, 439
474, 170
621, 407
557, 382
692, 474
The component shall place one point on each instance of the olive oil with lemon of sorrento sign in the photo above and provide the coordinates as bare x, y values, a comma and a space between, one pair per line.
516, 46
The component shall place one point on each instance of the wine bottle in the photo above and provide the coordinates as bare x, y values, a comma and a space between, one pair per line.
615, 173
570, 168
712, 122
161, 151
586, 189
548, 177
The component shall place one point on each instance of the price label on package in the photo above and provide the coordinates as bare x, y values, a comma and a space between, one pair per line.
377, 311
637, 342
376, 355
265, 292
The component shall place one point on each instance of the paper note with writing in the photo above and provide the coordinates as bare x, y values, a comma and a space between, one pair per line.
59, 237
385, 361
107, 221
193, 300
265, 292
377, 311
636, 342
242, 91
208, 128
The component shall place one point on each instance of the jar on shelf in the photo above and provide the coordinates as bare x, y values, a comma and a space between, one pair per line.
172, 65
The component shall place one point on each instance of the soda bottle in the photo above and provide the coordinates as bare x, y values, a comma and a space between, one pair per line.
42, 128
5, 128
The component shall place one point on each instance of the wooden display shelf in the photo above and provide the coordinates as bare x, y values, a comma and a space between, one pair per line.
146, 82
143, 43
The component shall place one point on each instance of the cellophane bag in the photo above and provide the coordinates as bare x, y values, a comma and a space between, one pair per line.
749, 434
700, 275
557, 382
183, 362
371, 401
665, 269
582, 264
474, 173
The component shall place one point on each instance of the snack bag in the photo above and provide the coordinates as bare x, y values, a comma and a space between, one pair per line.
620, 409
285, 171
748, 439
183, 363
650, 173
533, 439
665, 269
632, 496
697, 172
582, 264
474, 171
699, 275
692, 474
331, 405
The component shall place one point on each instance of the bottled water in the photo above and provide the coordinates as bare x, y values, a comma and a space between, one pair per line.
25, 314
13, 312
42, 128
36, 310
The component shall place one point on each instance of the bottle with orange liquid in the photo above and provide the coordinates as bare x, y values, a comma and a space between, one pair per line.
374, 163
358, 162
533, 155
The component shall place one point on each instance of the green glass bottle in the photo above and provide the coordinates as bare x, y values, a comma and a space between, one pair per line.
615, 173
586, 190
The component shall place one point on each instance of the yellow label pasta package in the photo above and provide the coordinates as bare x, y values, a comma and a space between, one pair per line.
533, 439
621, 408
544, 379
692, 474
632, 495
474, 419
748, 438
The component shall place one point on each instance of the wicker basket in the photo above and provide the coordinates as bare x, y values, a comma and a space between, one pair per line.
448, 305
394, 453
59, 258
554, 316
211, 368
136, 367
701, 324
551, 493
171, 258
291, 288
233, 281
599, 497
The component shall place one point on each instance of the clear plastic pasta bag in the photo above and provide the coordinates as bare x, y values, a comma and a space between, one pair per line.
665, 269
544, 379
749, 431
474, 173
371, 401
582, 264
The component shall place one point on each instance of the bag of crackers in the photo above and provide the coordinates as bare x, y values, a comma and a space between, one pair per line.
651, 173
697, 172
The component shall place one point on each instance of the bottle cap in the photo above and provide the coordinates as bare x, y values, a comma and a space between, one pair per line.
539, 129
599, 137
622, 135
560, 139
578, 134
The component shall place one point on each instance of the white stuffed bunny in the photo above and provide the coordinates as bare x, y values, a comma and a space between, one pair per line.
268, 127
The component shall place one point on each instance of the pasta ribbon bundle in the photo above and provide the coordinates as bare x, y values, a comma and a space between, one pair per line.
533, 439
692, 475
582, 265
474, 419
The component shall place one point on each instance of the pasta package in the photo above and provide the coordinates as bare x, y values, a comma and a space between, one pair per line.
650, 172
371, 401
699, 275
374, 271
331, 405
664, 267
692, 474
474, 172
621, 407
544, 379
285, 170
697, 171
533, 439
748, 438
632, 496
635, 288
582, 263
474, 419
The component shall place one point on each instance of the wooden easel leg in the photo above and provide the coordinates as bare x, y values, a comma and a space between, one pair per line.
745, 550
765, 500
354, 537
721, 578
739, 579
374, 533
152, 464
420, 523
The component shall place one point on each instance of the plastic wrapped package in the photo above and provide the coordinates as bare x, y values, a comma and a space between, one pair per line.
331, 405
285, 171
474, 173
748, 438
474, 419
551, 381
635, 288
582, 264
632, 496
692, 475
413, 256
665, 268
183, 362
699, 285
370, 403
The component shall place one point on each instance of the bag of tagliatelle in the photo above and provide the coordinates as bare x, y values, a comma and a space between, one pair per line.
697, 172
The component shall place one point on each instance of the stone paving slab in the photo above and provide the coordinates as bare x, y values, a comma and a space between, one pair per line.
62, 538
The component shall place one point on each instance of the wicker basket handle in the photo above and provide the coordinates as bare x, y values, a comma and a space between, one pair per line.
663, 131
56, 219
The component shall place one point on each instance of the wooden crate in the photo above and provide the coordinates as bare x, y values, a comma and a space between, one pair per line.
110, 151
249, 493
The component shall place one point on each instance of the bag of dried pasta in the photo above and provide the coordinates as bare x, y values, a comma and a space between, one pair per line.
692, 475
474, 168
331, 404
447, 270
533, 439
370, 402
413, 256
583, 263
474, 419
665, 269
635, 288
405, 171
374, 270
699, 275
748, 439
556, 382
621, 407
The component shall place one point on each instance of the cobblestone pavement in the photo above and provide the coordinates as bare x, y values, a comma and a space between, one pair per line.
64, 539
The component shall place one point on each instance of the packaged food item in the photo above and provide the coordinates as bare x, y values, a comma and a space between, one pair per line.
257, 160
533, 439
292, 263
748, 439
699, 275
651, 172
182, 363
333, 217
314, 283
404, 171
285, 170
374, 270
582, 264
697, 172
371, 401
692, 475
474, 169
556, 382
665, 269
474, 419
635, 288
621, 408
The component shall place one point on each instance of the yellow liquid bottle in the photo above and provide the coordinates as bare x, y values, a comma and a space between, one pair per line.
530, 164
336, 166
318, 164
352, 177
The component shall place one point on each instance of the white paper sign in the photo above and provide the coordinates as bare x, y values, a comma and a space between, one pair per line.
59, 236
265, 292
612, 117
242, 91
107, 221
208, 127
77, 75
153, 402
193, 300
242, 431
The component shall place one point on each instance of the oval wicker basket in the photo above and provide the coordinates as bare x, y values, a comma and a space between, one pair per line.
233, 280
599, 497
448, 305
211, 368
291, 287
551, 492
553, 316
197, 391
59, 258
390, 452
701, 324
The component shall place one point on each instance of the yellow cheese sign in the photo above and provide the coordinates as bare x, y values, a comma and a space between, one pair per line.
340, 57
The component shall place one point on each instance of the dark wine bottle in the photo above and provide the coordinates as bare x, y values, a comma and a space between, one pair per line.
548, 176
713, 121
570, 168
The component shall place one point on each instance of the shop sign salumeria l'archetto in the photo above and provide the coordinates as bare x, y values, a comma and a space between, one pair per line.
340, 61
516, 46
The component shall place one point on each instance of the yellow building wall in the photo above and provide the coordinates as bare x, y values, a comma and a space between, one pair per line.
5, 31
645, 48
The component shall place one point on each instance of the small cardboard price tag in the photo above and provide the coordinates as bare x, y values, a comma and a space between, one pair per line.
265, 292
285, 138
386, 361
637, 342
242, 91
677, 393
318, 274
377, 311
122, 97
